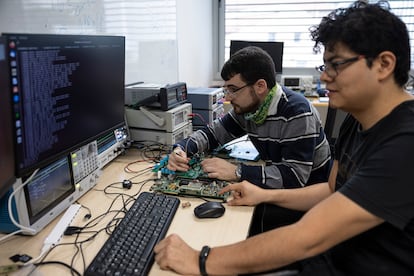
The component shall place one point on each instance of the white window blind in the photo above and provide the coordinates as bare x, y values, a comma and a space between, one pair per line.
289, 21
149, 27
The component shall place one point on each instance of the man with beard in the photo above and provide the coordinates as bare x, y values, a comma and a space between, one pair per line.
283, 125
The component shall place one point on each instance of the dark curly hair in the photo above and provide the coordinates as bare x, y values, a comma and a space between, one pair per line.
252, 63
367, 29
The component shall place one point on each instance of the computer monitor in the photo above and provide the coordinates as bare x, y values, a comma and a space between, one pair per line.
34, 204
273, 48
7, 169
67, 93
67, 90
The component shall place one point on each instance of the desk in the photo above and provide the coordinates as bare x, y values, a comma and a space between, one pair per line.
230, 228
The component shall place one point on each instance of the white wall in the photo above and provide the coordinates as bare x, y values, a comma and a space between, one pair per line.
195, 42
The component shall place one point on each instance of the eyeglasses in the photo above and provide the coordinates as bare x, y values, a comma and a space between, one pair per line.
331, 68
231, 92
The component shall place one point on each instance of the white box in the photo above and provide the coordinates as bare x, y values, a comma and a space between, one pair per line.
163, 137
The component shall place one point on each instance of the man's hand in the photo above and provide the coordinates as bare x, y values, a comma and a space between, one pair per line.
219, 168
178, 160
172, 253
245, 193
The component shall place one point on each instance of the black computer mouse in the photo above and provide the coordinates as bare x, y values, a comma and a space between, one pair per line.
209, 209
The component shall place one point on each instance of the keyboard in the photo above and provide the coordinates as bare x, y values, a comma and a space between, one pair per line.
129, 249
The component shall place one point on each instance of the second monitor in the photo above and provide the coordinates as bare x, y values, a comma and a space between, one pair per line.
273, 48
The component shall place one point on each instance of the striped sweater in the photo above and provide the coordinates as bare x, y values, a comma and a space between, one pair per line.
291, 142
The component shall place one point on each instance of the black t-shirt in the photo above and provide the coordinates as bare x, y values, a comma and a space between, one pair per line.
376, 171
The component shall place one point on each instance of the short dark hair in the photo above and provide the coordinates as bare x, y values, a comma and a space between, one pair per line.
367, 29
252, 63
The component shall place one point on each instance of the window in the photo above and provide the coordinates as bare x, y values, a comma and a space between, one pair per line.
148, 25
287, 21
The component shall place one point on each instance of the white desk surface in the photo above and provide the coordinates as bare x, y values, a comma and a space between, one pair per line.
231, 227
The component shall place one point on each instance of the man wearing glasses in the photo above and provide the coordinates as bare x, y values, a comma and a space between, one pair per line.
361, 222
283, 125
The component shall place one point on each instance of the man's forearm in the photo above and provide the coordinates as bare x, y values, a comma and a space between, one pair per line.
301, 199
260, 253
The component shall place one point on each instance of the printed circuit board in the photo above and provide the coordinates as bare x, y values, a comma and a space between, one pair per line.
193, 182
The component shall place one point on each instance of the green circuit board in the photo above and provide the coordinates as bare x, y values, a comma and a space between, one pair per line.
208, 188
194, 182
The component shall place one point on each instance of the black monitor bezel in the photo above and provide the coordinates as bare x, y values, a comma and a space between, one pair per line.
7, 171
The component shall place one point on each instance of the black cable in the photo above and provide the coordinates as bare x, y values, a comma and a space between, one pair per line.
73, 270
78, 244
117, 216
89, 214
72, 262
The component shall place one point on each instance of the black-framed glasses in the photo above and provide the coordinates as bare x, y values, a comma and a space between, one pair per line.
231, 92
331, 68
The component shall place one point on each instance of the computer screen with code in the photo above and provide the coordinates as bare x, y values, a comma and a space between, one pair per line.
66, 89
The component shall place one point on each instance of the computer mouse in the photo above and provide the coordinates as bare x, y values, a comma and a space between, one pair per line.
209, 209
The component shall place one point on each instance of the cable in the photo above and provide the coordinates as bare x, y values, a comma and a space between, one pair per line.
117, 216
54, 237
60, 263
127, 166
89, 214
2, 239
192, 115
42, 253
9, 205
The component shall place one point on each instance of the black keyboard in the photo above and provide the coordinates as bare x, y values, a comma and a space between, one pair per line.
129, 249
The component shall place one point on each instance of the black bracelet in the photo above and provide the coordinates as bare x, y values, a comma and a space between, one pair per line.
202, 260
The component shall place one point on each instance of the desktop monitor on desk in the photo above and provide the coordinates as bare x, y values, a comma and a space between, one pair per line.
273, 48
36, 204
67, 92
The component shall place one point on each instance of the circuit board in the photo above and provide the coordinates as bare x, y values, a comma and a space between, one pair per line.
207, 188
193, 182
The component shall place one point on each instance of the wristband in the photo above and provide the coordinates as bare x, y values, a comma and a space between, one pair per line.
202, 260
238, 172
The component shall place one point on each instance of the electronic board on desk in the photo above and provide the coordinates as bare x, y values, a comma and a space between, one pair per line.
206, 188
194, 182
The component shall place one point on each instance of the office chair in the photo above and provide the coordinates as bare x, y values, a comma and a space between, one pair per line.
334, 119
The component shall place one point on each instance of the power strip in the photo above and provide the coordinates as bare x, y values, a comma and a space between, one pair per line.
61, 226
